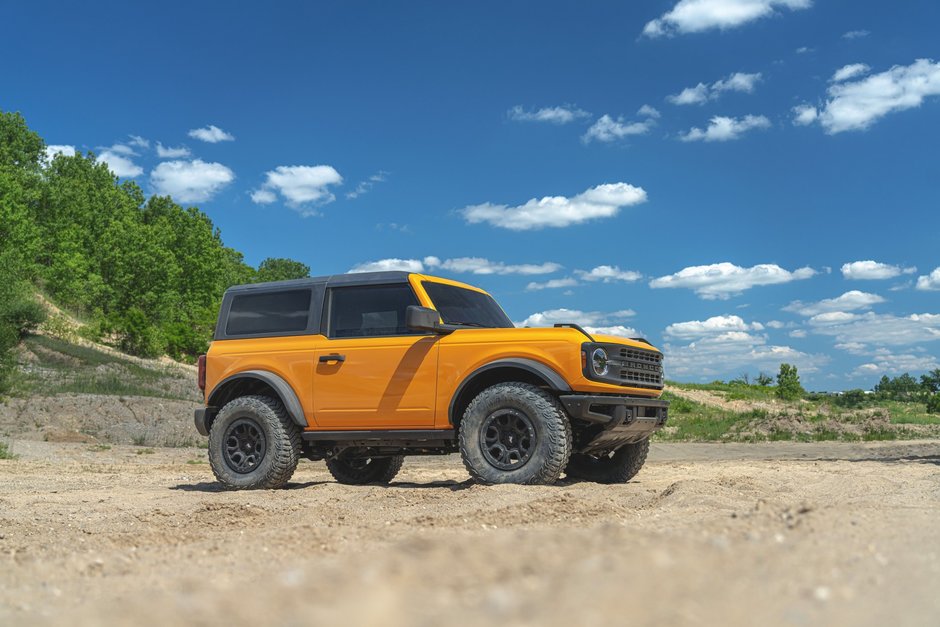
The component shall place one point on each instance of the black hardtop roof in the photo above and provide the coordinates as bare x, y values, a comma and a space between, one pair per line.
356, 278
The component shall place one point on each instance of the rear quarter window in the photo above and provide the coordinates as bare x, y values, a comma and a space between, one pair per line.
269, 312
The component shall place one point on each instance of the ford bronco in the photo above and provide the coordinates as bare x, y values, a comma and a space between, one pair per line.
361, 370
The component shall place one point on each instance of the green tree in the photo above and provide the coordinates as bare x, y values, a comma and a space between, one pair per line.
763, 379
931, 381
788, 383
279, 269
933, 403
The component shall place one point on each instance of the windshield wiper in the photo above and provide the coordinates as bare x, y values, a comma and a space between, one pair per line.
470, 324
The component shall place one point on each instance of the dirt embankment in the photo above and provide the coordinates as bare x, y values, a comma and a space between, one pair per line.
772, 534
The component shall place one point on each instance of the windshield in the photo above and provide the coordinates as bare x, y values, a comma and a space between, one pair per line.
462, 306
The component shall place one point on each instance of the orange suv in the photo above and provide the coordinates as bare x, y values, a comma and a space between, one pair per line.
361, 370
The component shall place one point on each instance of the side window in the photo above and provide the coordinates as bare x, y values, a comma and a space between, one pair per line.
370, 311
269, 312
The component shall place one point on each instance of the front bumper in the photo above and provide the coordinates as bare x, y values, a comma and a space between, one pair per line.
614, 420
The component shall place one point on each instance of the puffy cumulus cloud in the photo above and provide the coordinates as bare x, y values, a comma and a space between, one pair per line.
552, 284
386, 265
607, 129
715, 325
608, 274
701, 93
300, 185
120, 161
804, 114
472, 265
552, 115
170, 152
929, 282
211, 134
873, 270
190, 181
856, 34
603, 201
366, 186
723, 280
856, 105
879, 329
649, 112
59, 149
140, 142
729, 352
604, 323
695, 16
852, 70
884, 361
850, 301
722, 128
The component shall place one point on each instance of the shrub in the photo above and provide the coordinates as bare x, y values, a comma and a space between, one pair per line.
933, 403
852, 399
788, 383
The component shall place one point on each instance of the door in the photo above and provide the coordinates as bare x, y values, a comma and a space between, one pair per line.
372, 372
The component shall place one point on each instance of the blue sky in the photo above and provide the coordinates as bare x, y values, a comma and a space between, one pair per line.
744, 182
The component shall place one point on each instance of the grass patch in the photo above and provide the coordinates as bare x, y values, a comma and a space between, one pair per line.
146, 451
5, 452
98, 448
195, 461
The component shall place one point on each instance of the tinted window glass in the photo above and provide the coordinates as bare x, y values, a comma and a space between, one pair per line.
269, 312
370, 310
462, 306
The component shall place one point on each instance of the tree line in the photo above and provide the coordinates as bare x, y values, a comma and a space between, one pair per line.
145, 274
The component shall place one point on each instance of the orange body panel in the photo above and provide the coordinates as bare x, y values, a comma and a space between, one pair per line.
401, 382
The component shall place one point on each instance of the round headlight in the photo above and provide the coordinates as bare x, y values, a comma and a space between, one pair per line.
599, 361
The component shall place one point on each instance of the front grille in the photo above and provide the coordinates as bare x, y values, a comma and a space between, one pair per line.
641, 367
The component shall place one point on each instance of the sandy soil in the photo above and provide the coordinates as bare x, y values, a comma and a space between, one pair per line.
774, 534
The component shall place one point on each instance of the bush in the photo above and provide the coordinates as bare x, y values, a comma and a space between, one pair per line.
24, 315
933, 404
852, 399
788, 383
139, 336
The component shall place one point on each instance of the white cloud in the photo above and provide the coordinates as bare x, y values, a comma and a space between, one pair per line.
694, 16
553, 115
366, 186
648, 111
804, 115
882, 329
478, 265
604, 323
59, 149
473, 265
929, 282
603, 201
715, 325
775, 324
386, 265
856, 105
118, 158
856, 34
887, 362
608, 274
300, 185
552, 284
732, 351
804, 50
212, 134
852, 70
849, 301
723, 280
140, 142
722, 128
607, 129
873, 270
701, 93
169, 152
190, 181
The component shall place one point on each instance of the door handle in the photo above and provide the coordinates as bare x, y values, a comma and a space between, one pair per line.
332, 357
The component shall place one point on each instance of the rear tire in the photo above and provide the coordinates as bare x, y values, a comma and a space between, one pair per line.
515, 433
363, 471
253, 444
617, 467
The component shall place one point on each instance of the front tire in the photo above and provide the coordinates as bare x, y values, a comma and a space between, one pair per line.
253, 444
515, 433
363, 471
617, 467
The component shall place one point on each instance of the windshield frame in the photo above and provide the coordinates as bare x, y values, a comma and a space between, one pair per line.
495, 312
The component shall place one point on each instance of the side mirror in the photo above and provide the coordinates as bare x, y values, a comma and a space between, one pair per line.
424, 319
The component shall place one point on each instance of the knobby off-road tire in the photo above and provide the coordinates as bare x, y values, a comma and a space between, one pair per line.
515, 433
361, 472
618, 467
253, 444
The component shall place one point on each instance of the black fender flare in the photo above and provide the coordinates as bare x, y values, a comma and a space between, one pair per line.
283, 389
552, 379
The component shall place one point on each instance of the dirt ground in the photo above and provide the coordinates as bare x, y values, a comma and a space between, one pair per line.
708, 534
